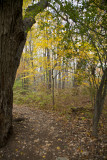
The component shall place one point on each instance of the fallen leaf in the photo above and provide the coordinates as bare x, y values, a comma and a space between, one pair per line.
58, 148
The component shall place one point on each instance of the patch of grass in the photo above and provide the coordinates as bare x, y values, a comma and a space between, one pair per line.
30, 97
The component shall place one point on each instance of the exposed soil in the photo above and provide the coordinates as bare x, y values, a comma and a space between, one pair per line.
41, 135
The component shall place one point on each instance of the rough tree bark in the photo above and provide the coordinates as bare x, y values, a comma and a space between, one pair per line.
13, 33
99, 103
12, 40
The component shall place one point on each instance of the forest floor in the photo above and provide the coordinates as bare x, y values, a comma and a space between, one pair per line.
44, 135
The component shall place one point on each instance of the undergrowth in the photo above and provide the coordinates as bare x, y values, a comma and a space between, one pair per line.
67, 101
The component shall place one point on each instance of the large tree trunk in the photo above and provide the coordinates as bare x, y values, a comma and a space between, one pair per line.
12, 40
13, 32
99, 103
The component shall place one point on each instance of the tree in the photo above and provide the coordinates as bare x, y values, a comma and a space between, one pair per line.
84, 19
88, 20
13, 33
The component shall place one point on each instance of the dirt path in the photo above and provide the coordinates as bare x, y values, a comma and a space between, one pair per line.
46, 136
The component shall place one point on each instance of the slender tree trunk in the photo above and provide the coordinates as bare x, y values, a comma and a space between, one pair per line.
63, 80
56, 79
53, 96
32, 59
63, 77
59, 80
99, 103
49, 71
44, 76
66, 70
22, 81
76, 67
